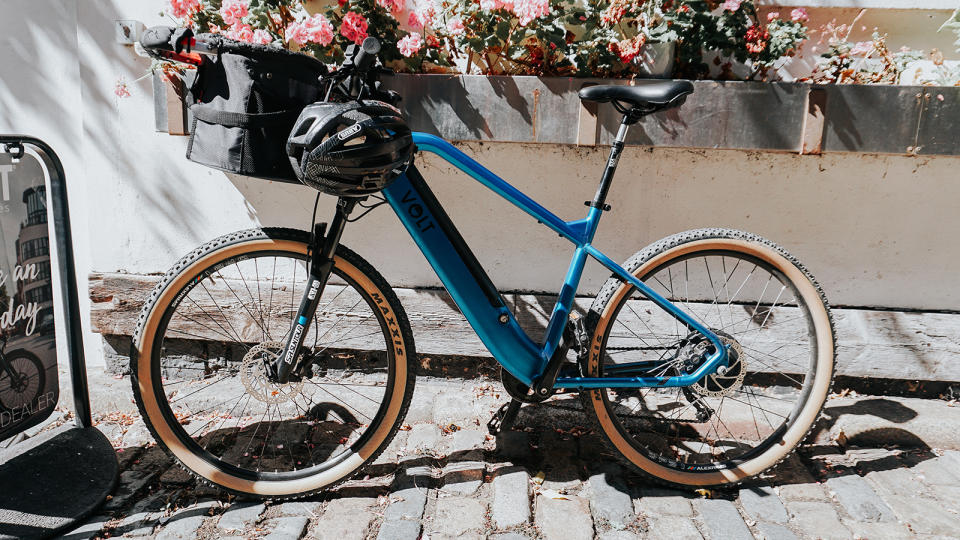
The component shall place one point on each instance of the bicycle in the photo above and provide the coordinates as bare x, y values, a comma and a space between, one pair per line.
276, 362
22, 378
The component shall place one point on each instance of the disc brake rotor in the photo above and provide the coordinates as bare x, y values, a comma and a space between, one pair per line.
723, 384
256, 380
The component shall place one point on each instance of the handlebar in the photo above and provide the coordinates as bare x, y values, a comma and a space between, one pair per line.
177, 44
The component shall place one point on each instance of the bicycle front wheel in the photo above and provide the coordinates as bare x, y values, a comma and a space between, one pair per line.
727, 427
206, 340
28, 384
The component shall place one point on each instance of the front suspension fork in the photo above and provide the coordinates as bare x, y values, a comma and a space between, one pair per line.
321, 264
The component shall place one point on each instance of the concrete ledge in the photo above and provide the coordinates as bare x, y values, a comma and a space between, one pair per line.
872, 343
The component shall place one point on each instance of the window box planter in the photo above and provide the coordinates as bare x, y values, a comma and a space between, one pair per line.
778, 117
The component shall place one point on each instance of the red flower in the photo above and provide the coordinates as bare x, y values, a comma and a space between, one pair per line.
757, 38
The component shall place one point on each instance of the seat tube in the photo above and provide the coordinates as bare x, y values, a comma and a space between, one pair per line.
599, 200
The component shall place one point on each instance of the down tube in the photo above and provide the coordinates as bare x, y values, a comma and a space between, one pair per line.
445, 250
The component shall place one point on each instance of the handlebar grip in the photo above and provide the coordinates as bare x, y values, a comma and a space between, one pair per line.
367, 54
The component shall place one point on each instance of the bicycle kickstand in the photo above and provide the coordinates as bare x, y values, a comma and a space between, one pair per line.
504, 417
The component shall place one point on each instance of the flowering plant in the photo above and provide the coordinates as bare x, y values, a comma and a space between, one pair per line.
861, 62
531, 37
735, 33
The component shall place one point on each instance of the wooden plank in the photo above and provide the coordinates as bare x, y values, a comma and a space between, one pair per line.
871, 343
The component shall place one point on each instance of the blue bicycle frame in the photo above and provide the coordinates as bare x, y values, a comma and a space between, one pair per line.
479, 301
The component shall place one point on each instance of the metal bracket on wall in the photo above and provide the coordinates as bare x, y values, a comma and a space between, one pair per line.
588, 127
813, 122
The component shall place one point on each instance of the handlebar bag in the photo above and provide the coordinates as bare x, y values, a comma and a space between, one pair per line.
246, 100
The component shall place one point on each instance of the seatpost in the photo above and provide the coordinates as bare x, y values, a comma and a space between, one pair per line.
599, 200
321, 265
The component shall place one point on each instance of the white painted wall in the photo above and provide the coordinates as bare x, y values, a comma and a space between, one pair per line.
872, 228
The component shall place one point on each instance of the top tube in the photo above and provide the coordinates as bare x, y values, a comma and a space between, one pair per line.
580, 232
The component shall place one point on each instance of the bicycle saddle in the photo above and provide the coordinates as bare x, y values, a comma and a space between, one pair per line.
647, 96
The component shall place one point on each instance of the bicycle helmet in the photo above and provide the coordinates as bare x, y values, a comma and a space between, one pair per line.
350, 149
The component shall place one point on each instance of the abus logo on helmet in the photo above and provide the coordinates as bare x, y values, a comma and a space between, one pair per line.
348, 132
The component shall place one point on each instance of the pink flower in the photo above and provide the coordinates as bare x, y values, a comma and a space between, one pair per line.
528, 10
240, 32
455, 26
773, 15
393, 6
120, 89
492, 5
410, 44
316, 29
354, 27
799, 15
732, 5
234, 10
862, 47
262, 37
182, 9
419, 19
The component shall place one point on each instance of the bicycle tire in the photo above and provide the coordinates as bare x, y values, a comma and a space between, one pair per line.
147, 356
640, 448
10, 398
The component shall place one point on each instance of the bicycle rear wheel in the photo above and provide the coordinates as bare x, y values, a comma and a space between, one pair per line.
31, 379
727, 427
212, 328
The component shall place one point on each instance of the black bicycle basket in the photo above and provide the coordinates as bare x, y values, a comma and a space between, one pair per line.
246, 99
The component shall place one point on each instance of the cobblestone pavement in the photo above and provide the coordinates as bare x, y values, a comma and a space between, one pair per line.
444, 477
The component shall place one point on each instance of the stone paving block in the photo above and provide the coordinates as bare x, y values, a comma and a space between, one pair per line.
344, 519
511, 497
859, 499
564, 518
672, 527
465, 444
463, 477
87, 531
562, 476
924, 516
763, 504
240, 515
610, 501
513, 445
400, 529
721, 520
657, 501
937, 473
812, 491
897, 482
307, 509
453, 408
817, 520
136, 524
406, 503
774, 531
423, 438
457, 516
183, 525
286, 528
176, 476
137, 435
618, 535
131, 482
878, 531
421, 408
507, 536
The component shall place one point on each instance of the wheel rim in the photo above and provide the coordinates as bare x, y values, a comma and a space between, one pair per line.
303, 442
661, 444
14, 396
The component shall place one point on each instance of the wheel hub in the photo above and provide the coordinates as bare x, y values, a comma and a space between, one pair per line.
256, 379
728, 379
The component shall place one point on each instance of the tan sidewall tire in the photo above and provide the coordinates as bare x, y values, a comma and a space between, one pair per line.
800, 427
151, 407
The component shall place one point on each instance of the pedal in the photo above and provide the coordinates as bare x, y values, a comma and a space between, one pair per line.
504, 417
